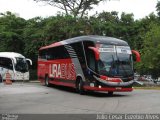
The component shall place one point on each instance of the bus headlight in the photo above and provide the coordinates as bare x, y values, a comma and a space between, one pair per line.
99, 86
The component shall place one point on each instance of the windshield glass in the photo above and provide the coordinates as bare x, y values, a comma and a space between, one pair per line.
21, 65
115, 61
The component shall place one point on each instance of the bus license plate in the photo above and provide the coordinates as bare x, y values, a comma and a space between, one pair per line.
118, 88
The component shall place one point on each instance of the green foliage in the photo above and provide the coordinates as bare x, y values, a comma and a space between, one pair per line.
158, 8
11, 30
151, 51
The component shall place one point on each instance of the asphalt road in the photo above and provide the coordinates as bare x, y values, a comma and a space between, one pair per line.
34, 98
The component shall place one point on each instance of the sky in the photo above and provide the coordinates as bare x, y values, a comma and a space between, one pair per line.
28, 8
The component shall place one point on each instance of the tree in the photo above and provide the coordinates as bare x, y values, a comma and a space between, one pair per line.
158, 8
73, 7
34, 38
125, 28
151, 52
11, 30
60, 27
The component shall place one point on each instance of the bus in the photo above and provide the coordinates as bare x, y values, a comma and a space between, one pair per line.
94, 63
14, 64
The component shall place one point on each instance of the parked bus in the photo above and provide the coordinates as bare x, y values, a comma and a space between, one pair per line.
14, 64
95, 63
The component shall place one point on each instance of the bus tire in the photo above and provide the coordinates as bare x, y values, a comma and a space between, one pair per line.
47, 81
79, 86
110, 93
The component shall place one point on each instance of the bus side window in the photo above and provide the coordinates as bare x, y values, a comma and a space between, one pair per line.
57, 53
90, 55
6, 63
42, 54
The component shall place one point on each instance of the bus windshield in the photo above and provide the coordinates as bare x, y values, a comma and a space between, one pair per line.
21, 65
115, 61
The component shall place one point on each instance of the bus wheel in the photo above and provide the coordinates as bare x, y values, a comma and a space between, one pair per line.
79, 86
47, 81
110, 93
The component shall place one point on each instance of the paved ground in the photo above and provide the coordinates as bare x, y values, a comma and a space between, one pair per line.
34, 98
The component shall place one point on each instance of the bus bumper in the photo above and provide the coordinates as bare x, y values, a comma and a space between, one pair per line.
113, 89
116, 84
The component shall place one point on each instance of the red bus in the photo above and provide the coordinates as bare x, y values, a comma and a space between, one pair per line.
95, 63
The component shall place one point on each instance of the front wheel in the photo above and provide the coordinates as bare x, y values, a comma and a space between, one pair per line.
79, 86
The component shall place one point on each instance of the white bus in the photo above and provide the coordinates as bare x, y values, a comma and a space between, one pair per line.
14, 64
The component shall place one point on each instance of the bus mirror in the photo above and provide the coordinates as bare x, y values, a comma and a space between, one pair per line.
96, 52
29, 60
138, 58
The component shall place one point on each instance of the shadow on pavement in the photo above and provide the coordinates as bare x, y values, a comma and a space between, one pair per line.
89, 93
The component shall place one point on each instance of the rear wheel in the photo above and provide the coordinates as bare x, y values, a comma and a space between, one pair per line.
79, 86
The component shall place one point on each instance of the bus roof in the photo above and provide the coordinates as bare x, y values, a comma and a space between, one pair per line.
94, 38
10, 55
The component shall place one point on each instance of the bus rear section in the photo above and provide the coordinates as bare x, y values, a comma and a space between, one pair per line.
56, 67
93, 63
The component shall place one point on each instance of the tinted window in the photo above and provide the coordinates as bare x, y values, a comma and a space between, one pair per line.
90, 55
42, 54
57, 53
21, 65
6, 63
